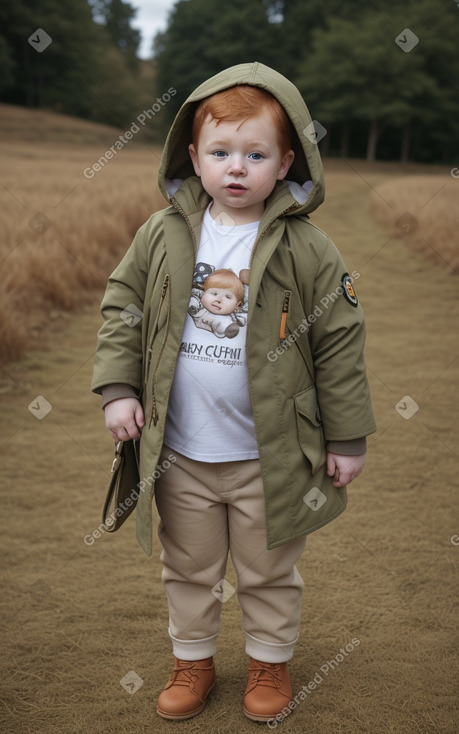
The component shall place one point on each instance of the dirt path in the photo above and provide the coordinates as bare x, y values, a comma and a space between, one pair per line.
380, 582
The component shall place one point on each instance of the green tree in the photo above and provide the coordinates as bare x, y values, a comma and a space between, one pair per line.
86, 70
356, 72
7, 64
117, 92
297, 20
59, 77
116, 16
203, 38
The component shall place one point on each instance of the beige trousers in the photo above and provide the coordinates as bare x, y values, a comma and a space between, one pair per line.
207, 510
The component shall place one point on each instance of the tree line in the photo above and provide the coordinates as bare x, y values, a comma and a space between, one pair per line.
382, 77
90, 68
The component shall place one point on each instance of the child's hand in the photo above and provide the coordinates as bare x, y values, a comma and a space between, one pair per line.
124, 419
344, 469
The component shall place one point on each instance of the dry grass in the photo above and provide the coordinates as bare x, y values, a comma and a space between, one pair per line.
62, 234
423, 211
79, 617
38, 126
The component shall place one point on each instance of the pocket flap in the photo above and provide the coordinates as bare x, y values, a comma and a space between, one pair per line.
309, 425
306, 405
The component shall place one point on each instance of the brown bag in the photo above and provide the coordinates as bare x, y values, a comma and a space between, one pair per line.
123, 491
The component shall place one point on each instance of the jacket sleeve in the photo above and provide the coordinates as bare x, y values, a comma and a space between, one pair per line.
337, 338
118, 356
116, 391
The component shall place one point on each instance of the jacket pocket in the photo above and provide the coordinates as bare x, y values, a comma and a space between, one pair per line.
309, 425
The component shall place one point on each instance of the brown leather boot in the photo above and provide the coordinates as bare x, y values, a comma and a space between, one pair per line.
186, 692
268, 690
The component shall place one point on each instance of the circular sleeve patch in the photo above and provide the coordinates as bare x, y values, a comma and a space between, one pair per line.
348, 290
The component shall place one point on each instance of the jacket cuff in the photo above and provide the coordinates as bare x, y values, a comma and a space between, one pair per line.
348, 448
115, 391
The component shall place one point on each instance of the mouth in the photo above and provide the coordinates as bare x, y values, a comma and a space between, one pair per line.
236, 187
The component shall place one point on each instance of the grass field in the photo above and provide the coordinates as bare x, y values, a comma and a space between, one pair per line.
78, 618
61, 231
423, 211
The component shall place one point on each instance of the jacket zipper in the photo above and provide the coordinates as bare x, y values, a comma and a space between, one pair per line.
154, 409
150, 350
177, 206
285, 307
287, 295
262, 234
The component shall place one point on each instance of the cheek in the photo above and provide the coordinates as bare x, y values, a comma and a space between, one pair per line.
208, 173
267, 178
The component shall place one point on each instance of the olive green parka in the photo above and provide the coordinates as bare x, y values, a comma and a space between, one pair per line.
307, 388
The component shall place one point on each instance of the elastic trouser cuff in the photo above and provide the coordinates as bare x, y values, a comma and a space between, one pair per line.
194, 649
269, 652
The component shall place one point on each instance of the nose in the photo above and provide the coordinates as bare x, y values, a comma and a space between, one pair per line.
236, 166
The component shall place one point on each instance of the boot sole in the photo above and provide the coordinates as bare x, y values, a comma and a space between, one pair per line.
261, 717
188, 714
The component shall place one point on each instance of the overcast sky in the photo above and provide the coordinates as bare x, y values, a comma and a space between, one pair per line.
151, 18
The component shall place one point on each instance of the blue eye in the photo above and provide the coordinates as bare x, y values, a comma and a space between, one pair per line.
219, 153
256, 156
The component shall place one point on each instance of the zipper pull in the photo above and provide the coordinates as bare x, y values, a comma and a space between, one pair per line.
285, 308
165, 284
147, 367
154, 413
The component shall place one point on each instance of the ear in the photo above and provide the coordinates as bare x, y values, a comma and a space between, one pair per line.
286, 162
194, 159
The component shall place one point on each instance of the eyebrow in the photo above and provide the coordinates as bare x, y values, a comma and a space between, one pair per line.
251, 144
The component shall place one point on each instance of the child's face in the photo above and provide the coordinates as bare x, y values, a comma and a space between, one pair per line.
219, 300
239, 164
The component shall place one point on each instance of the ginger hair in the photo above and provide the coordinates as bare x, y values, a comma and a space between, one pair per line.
224, 278
240, 103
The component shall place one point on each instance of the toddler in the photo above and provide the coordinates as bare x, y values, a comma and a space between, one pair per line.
267, 423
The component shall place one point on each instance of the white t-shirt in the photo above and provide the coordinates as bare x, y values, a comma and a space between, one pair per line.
210, 415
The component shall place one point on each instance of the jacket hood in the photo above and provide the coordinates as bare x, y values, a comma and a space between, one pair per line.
305, 177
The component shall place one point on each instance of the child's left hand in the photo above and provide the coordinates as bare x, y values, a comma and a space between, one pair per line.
344, 469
